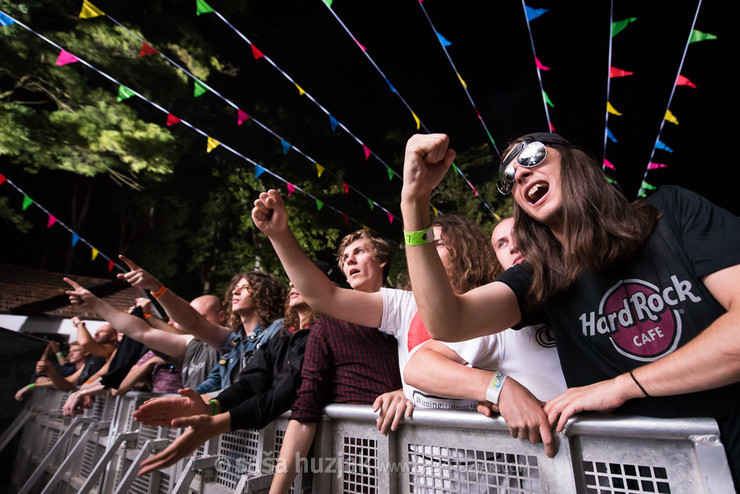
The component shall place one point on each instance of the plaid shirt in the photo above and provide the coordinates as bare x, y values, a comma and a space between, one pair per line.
344, 363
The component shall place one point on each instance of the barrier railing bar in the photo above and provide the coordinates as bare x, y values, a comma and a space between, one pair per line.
150, 446
71, 454
105, 459
14, 428
194, 465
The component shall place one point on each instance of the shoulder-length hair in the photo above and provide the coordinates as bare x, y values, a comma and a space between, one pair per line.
472, 259
600, 226
266, 290
291, 318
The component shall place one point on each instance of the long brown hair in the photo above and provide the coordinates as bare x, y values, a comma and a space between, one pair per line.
292, 319
267, 291
600, 226
473, 262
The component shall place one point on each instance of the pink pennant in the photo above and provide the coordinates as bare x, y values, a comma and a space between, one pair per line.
360, 45
655, 166
367, 151
684, 81
241, 117
608, 165
51, 221
146, 49
615, 72
291, 188
172, 120
66, 57
345, 218
390, 218
539, 64
474, 190
256, 53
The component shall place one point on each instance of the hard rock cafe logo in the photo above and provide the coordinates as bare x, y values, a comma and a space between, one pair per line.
642, 320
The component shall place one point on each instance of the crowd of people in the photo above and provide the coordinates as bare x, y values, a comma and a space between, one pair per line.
582, 301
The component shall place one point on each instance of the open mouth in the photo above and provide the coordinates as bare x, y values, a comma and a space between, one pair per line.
537, 191
353, 272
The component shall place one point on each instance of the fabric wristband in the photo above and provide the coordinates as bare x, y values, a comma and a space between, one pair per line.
494, 387
214, 407
639, 385
60, 355
420, 237
160, 291
31, 386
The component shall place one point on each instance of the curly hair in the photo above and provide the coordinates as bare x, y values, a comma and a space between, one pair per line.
600, 226
267, 291
473, 262
381, 248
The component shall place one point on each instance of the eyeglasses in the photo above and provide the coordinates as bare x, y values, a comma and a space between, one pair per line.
528, 155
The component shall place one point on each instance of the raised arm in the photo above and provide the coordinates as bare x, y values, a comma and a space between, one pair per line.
177, 308
366, 309
86, 341
710, 360
130, 325
446, 316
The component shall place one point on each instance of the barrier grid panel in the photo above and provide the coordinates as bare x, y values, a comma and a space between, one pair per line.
239, 454
608, 478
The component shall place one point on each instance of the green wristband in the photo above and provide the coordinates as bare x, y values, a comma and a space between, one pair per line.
31, 386
419, 238
214, 407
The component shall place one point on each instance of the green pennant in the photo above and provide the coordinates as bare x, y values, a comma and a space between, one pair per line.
328, 3
198, 89
371, 203
618, 26
697, 36
547, 100
124, 93
319, 205
390, 172
201, 7
647, 186
27, 201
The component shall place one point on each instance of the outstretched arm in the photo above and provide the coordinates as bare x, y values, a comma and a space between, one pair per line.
366, 309
86, 341
178, 309
710, 360
130, 325
162, 411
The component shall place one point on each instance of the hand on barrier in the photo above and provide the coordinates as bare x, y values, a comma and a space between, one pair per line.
393, 406
200, 429
525, 416
162, 411
74, 404
600, 396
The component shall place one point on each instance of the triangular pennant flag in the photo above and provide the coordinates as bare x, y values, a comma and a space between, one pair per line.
360, 45
66, 57
610, 180
662, 145
258, 170
198, 88
333, 122
552, 128
89, 11
615, 72
5, 20
655, 166
539, 64
670, 117
390, 172
684, 81
367, 151
51, 221
27, 201
416, 119
286, 146
618, 26
393, 90
319, 170
301, 91
390, 218
201, 7
345, 218
319, 205
475, 191
647, 186
2, 179
124, 93
241, 117
610, 136
697, 36
461, 81
75, 239
147, 49
212, 144
256, 53
110, 265
371, 203
94, 254
328, 3
612, 110
533, 14
547, 100
291, 188
436, 211
607, 164
172, 120
345, 186
443, 40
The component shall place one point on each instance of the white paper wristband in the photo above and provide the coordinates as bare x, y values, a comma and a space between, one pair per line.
494, 387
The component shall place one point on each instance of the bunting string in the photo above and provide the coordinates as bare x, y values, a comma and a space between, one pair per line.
531, 14
89, 11
419, 123
608, 79
66, 57
444, 43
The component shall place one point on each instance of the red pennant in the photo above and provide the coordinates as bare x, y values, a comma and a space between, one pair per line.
147, 50
110, 266
256, 53
615, 72
345, 218
172, 120
346, 187
2, 179
684, 81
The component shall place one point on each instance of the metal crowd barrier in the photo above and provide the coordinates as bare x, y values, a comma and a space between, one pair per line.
432, 452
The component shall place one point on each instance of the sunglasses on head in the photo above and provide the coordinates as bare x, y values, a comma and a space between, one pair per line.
527, 154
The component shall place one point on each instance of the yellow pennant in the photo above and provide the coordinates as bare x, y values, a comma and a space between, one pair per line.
94, 253
319, 169
670, 117
611, 109
462, 82
89, 11
416, 119
301, 92
212, 144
